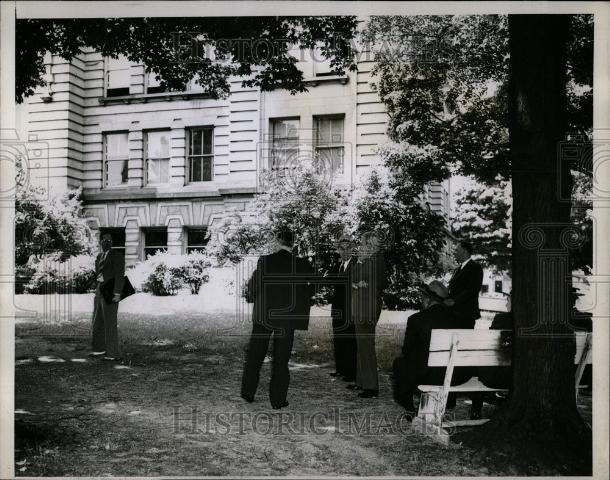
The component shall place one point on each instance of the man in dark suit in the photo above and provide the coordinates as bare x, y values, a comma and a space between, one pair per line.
281, 288
344, 339
410, 369
368, 281
464, 287
109, 266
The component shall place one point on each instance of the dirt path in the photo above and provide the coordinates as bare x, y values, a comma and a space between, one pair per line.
172, 408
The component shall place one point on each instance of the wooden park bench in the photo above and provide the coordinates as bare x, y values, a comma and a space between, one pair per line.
472, 348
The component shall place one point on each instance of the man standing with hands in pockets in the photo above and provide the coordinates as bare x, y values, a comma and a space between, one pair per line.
109, 266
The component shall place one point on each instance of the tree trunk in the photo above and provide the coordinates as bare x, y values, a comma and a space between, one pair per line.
540, 424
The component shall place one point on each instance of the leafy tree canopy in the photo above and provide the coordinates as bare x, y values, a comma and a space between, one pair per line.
180, 49
444, 82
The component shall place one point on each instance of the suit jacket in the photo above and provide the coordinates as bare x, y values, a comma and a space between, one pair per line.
464, 288
113, 267
281, 287
367, 301
340, 300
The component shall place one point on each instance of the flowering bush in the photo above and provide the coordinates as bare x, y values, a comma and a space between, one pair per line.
51, 274
194, 271
166, 274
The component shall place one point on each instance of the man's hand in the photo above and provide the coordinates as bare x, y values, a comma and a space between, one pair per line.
362, 284
450, 302
116, 298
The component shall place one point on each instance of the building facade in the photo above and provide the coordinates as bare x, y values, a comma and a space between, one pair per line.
158, 168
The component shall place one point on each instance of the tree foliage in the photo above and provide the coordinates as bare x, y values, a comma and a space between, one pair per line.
49, 224
448, 105
177, 50
391, 207
483, 214
300, 199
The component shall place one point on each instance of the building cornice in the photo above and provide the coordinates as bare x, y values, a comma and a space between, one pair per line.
129, 194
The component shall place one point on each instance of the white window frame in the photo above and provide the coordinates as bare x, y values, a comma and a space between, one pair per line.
332, 145
105, 169
189, 155
146, 159
107, 71
283, 146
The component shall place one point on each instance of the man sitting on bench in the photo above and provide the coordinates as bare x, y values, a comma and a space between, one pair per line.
411, 368
464, 287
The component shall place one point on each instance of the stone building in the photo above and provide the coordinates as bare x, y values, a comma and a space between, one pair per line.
157, 168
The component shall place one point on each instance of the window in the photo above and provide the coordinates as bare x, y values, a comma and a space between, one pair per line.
484, 288
200, 154
116, 159
328, 142
118, 238
284, 142
157, 157
152, 84
498, 286
196, 239
321, 64
117, 76
155, 240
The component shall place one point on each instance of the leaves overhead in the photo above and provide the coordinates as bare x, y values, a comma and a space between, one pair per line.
177, 50
443, 81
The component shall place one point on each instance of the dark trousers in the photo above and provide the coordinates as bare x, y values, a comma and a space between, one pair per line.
411, 369
344, 342
105, 337
257, 350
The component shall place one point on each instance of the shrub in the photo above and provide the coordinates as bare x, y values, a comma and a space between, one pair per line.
163, 281
47, 225
166, 274
194, 272
50, 274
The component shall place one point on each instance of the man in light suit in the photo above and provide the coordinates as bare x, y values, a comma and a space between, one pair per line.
281, 288
109, 266
464, 287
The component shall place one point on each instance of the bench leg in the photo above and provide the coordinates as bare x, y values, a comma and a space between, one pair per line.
430, 414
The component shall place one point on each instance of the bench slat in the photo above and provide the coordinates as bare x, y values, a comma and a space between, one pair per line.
481, 348
470, 358
441, 340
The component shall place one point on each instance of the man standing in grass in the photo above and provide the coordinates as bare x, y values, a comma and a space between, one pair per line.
281, 288
109, 267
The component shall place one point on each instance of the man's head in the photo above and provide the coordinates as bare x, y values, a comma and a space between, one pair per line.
106, 242
463, 251
285, 238
433, 293
370, 244
344, 247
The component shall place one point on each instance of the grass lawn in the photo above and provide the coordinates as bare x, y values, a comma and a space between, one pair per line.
173, 407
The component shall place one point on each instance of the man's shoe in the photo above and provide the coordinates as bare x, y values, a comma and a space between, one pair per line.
247, 398
335, 374
353, 386
368, 394
277, 407
97, 354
